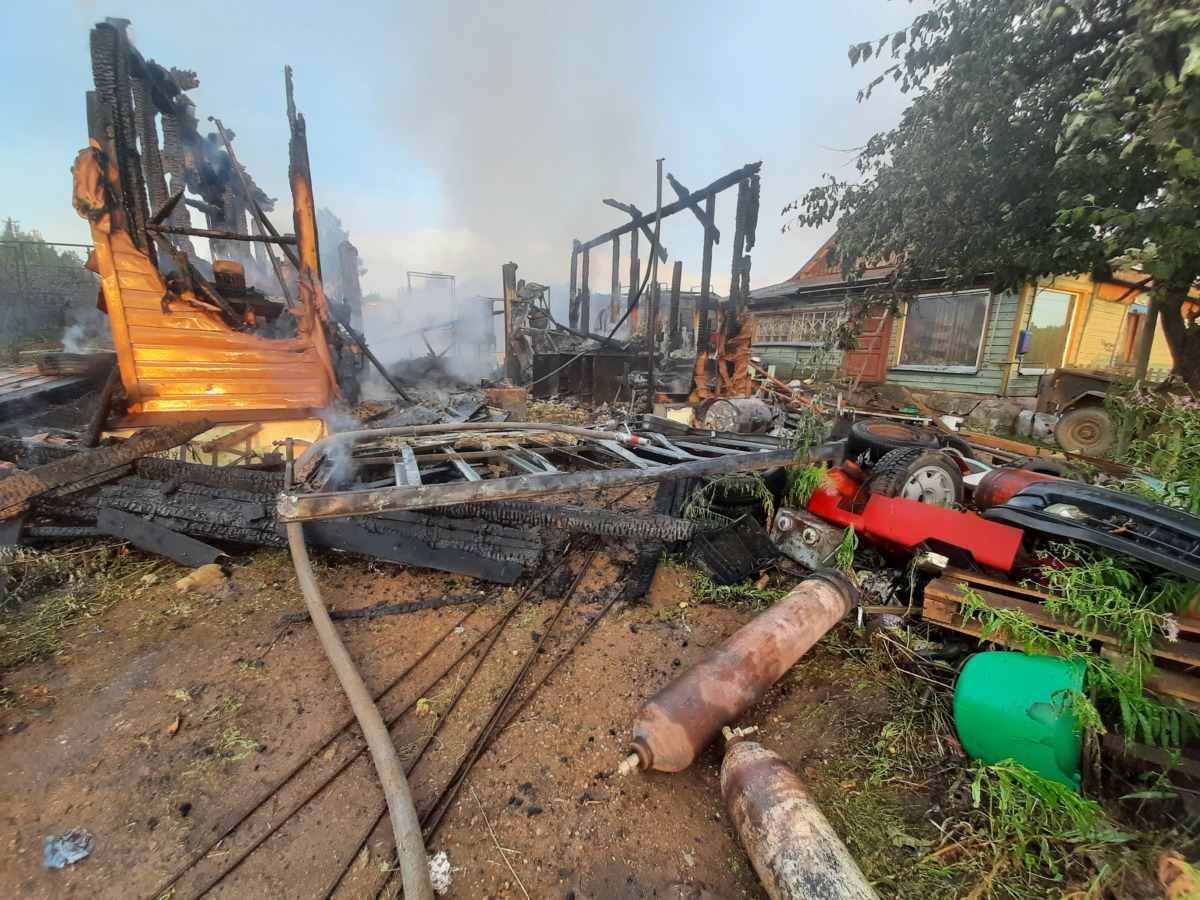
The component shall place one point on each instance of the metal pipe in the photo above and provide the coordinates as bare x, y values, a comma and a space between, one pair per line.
678, 722
213, 234
410, 848
792, 846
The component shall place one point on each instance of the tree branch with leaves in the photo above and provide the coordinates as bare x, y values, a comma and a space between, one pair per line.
1043, 138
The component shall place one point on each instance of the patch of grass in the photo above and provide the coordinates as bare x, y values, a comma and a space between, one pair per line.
231, 745
73, 585
845, 552
223, 709
802, 484
734, 595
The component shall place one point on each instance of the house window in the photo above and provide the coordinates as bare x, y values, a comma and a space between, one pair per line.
1049, 325
944, 332
807, 326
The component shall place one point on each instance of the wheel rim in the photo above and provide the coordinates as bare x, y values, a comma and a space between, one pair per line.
1084, 432
930, 484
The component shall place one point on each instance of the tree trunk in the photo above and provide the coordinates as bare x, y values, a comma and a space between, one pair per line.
1181, 333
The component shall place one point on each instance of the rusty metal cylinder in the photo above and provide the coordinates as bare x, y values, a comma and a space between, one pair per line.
792, 846
1001, 485
678, 722
747, 415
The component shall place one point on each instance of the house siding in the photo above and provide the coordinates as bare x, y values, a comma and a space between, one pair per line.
791, 361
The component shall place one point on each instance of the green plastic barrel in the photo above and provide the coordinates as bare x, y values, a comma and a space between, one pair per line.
1007, 706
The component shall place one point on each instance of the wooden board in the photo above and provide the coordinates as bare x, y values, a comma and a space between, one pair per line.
943, 604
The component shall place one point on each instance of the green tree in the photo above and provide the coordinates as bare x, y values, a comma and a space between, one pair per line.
1044, 138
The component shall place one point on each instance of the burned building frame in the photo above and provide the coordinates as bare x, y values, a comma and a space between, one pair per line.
721, 330
195, 336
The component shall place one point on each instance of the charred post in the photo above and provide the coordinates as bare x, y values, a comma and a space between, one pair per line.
573, 288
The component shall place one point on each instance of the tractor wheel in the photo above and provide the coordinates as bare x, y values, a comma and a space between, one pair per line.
927, 476
1084, 429
875, 437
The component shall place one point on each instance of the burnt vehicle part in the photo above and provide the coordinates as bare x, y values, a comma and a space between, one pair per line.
520, 460
1123, 523
901, 526
927, 476
871, 439
195, 335
733, 552
678, 722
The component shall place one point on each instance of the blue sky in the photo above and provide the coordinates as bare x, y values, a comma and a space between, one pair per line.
457, 136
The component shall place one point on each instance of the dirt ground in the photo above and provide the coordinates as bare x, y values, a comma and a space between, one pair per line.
170, 715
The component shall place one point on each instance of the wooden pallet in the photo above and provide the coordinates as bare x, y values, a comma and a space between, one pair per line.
1176, 663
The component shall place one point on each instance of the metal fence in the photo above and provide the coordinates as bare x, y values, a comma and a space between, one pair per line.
44, 290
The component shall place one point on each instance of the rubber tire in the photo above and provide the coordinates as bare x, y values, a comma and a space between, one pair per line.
876, 437
1047, 465
889, 476
1093, 420
957, 444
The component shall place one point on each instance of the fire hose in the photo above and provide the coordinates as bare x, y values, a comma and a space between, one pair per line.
410, 847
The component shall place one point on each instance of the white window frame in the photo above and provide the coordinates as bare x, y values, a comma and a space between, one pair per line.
1072, 320
951, 370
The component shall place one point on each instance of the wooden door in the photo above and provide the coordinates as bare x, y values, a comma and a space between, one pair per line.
869, 362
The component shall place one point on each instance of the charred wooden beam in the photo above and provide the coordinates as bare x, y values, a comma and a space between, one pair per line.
226, 477
585, 292
19, 489
152, 537
726, 181
573, 289
673, 331
636, 214
578, 520
213, 234
703, 215
614, 304
296, 507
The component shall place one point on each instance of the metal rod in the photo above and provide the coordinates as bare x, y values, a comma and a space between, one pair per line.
362, 343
